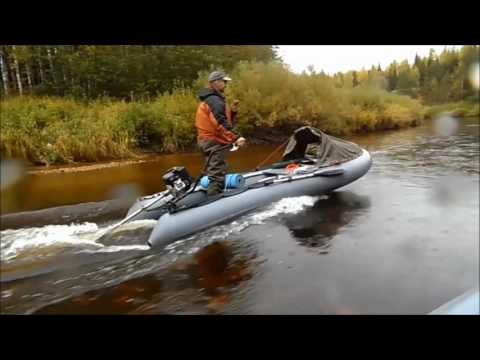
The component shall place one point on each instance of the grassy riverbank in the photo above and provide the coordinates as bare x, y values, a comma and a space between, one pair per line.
459, 109
54, 130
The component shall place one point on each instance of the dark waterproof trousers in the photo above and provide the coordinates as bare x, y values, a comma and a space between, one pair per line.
217, 166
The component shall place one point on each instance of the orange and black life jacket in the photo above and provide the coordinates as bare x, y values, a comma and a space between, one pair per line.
214, 120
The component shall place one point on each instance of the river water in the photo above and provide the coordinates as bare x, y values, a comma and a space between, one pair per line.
403, 239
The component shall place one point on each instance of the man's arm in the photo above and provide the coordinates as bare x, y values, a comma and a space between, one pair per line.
221, 131
217, 107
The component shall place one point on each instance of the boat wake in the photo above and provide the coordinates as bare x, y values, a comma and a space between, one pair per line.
40, 243
87, 260
45, 241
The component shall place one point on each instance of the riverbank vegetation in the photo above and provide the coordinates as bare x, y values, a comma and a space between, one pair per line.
61, 130
63, 104
458, 109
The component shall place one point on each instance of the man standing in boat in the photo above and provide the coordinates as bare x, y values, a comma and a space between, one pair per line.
214, 122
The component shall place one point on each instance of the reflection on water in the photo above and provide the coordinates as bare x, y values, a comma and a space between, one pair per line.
202, 280
118, 299
317, 225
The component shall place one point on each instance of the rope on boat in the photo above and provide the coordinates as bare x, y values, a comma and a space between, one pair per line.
271, 154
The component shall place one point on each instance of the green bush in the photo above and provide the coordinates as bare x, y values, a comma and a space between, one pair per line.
272, 96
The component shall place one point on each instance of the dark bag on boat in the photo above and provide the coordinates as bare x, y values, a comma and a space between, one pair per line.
326, 148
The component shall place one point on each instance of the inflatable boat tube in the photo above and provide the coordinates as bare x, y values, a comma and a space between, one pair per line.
197, 212
465, 304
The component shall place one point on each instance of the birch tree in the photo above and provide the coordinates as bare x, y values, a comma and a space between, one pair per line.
17, 71
3, 69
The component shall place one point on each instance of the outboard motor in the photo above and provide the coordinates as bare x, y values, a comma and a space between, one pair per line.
177, 180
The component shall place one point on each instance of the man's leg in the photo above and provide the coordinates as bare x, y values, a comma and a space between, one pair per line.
217, 167
217, 170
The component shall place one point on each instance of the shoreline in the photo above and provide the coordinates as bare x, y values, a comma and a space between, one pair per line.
79, 167
144, 157
138, 158
151, 156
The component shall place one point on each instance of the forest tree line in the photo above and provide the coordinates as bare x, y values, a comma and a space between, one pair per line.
127, 71
143, 71
433, 79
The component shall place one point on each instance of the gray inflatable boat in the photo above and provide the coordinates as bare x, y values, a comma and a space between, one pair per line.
335, 163
467, 303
